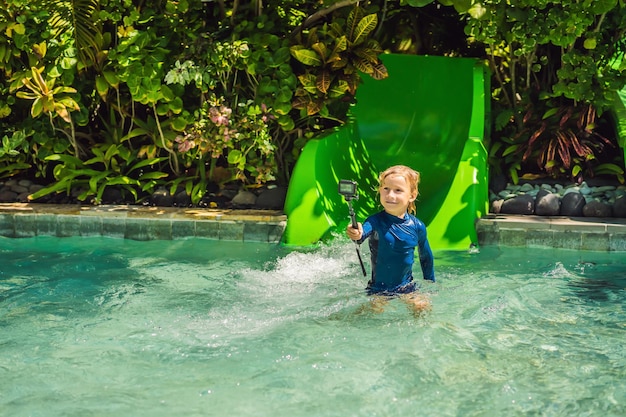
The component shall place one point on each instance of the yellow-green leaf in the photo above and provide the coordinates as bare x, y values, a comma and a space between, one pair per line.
364, 27
37, 108
306, 56
102, 86
111, 78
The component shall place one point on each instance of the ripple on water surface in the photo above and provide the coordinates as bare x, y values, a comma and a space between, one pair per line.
112, 327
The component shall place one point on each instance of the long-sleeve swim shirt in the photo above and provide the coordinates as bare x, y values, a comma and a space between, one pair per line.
392, 242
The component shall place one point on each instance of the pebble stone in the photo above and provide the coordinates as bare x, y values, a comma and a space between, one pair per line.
564, 200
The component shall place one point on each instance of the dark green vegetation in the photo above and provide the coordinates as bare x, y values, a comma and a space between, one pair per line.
191, 95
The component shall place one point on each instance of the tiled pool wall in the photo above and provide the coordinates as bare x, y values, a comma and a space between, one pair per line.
140, 223
150, 223
578, 233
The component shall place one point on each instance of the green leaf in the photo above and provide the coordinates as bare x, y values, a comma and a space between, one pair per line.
422, 3
69, 160
235, 156
153, 176
148, 162
309, 82
102, 86
306, 56
122, 180
510, 150
599, 7
167, 92
54, 188
95, 180
364, 27
477, 11
549, 113
609, 168
135, 133
286, 123
111, 78
590, 43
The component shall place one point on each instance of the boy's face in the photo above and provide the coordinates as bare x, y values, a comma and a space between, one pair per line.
395, 195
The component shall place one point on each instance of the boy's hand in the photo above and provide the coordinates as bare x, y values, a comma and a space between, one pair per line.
355, 234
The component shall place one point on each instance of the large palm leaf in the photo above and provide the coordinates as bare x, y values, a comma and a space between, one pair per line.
80, 18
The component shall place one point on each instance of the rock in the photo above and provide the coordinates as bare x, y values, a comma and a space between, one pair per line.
619, 208
513, 188
603, 189
526, 187
7, 196
34, 188
272, 198
596, 209
228, 192
496, 206
521, 204
572, 204
161, 198
19, 189
244, 199
112, 195
182, 199
585, 190
547, 203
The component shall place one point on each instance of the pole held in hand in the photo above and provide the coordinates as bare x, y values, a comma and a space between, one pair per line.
356, 226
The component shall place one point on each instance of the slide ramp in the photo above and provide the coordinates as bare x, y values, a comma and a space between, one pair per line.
429, 114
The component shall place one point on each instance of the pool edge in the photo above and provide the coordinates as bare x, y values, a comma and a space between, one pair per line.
168, 223
577, 233
140, 222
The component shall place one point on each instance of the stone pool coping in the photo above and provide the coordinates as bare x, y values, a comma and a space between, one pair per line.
140, 222
149, 223
578, 233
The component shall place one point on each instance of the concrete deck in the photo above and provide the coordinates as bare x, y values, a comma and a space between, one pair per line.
148, 223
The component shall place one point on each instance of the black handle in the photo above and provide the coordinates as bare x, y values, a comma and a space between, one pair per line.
352, 216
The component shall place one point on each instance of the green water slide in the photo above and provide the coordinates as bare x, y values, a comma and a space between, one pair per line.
430, 114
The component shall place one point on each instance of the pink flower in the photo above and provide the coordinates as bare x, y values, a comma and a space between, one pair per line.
228, 133
220, 116
184, 144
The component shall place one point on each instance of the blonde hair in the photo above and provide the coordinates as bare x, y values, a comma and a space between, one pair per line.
411, 176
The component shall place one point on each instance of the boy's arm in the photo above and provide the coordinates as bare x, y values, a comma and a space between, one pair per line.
427, 261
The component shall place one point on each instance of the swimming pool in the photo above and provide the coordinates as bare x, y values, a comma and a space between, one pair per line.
112, 327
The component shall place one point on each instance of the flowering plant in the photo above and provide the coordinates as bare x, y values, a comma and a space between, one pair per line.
239, 137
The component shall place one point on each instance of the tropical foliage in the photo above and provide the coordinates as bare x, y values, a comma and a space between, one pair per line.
185, 95
191, 95
554, 66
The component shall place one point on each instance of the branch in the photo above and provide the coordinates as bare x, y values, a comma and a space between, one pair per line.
309, 21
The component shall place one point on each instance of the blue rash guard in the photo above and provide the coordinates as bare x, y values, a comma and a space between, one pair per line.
392, 247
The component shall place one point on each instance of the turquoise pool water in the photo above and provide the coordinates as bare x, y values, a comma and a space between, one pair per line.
111, 327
